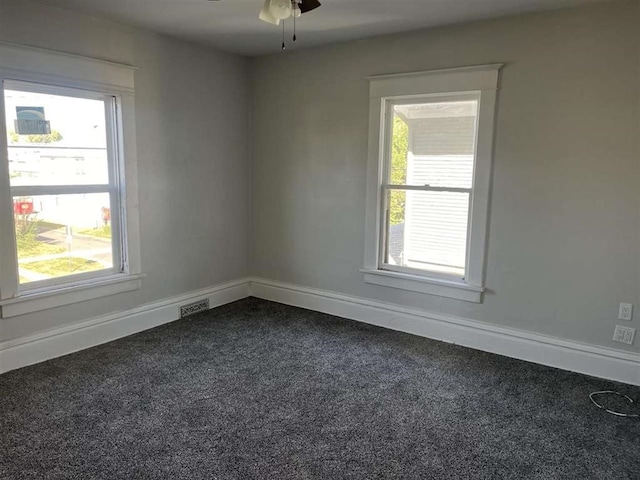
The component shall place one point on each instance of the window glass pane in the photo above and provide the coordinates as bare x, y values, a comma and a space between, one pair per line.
60, 235
55, 139
396, 202
427, 230
433, 144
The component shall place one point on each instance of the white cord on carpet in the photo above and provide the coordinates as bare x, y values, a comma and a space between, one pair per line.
612, 412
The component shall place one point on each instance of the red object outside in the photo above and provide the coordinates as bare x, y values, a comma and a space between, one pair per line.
23, 208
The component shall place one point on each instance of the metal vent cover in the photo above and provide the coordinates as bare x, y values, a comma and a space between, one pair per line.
193, 308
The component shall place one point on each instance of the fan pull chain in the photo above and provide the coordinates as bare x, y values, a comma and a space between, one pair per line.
283, 44
294, 27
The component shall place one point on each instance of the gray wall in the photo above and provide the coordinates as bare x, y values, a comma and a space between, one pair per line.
565, 226
564, 231
193, 159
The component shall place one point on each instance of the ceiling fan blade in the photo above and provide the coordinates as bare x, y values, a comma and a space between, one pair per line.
266, 16
308, 5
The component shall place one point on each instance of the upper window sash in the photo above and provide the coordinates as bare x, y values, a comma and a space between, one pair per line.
110, 102
423, 99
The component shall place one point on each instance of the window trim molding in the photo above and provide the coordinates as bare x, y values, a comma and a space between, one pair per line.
41, 65
37, 65
384, 88
69, 293
441, 287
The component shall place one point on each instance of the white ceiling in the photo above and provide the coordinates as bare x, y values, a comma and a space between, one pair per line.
233, 25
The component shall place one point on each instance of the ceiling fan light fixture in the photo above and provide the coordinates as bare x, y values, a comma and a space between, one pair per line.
308, 5
275, 10
280, 9
266, 15
296, 10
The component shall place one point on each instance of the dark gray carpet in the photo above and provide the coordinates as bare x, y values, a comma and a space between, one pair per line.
260, 390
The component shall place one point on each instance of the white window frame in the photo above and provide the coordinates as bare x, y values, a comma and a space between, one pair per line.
384, 92
61, 73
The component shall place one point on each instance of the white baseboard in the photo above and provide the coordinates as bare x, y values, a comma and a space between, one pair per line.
567, 355
573, 356
62, 341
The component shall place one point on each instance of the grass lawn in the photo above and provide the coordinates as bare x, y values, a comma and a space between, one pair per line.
28, 243
63, 266
102, 232
34, 248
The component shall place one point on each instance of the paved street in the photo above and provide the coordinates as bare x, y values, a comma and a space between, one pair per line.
80, 241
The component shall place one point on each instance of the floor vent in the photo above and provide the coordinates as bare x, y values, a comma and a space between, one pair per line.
195, 307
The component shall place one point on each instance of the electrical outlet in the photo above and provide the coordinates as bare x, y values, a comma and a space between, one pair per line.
624, 334
626, 311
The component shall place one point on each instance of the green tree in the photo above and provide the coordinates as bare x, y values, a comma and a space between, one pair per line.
399, 151
26, 226
54, 136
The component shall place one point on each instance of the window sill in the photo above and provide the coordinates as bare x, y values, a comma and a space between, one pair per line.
432, 286
68, 294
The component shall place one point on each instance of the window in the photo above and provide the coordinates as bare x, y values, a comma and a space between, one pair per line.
428, 182
67, 229
64, 183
